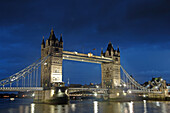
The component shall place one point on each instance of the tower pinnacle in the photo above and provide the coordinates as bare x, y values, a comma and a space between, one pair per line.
61, 40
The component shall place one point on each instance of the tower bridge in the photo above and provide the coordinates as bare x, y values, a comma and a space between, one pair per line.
49, 69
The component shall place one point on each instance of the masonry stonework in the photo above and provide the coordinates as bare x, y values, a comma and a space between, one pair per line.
111, 70
51, 70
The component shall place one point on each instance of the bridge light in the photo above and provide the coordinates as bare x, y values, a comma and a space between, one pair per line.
52, 92
90, 54
124, 85
144, 95
33, 94
75, 52
129, 91
45, 63
95, 94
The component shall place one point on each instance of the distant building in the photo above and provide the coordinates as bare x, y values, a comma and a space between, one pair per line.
157, 84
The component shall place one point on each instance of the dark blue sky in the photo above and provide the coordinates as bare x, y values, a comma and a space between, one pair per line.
140, 28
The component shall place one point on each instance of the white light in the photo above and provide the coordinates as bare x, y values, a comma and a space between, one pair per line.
157, 104
52, 92
63, 57
12, 99
33, 94
95, 94
59, 91
45, 63
129, 91
95, 107
97, 86
90, 54
117, 94
124, 85
144, 95
130, 107
73, 107
67, 56
32, 108
75, 52
145, 108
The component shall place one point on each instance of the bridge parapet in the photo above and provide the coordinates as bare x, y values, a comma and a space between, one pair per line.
97, 90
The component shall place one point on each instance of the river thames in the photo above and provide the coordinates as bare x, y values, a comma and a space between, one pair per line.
84, 106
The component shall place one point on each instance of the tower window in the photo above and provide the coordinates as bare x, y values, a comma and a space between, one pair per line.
56, 71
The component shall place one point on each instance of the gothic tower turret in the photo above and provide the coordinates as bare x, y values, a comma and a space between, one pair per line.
43, 43
51, 70
111, 70
61, 40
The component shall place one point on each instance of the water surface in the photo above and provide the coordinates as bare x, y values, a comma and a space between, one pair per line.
84, 106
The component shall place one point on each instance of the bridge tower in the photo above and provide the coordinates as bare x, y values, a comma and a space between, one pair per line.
51, 70
111, 70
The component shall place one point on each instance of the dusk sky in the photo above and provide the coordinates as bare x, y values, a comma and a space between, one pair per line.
141, 28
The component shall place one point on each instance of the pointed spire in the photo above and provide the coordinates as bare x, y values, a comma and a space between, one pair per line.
61, 40
110, 48
52, 31
118, 49
52, 35
43, 42
102, 51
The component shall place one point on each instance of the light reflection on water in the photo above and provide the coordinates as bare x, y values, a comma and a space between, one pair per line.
87, 106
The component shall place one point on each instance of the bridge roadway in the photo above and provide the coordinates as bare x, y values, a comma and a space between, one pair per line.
85, 57
97, 90
143, 91
21, 88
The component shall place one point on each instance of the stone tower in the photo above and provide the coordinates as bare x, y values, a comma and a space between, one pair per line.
51, 70
111, 70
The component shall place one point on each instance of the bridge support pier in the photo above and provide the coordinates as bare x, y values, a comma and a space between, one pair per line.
56, 95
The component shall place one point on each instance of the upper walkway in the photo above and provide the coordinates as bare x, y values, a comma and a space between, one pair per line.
85, 57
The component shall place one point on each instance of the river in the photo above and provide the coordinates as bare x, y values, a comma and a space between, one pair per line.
84, 106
